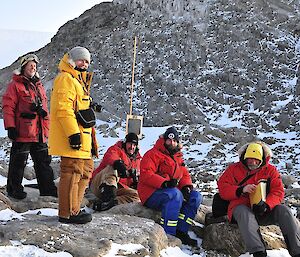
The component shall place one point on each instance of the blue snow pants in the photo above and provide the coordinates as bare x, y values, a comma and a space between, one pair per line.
176, 214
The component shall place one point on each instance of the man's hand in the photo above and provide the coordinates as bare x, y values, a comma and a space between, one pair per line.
186, 192
12, 133
121, 168
170, 183
261, 208
249, 188
96, 107
75, 141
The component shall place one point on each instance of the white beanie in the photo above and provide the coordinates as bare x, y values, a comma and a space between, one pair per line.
80, 53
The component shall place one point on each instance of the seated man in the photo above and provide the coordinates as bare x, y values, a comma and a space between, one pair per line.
254, 164
115, 180
165, 185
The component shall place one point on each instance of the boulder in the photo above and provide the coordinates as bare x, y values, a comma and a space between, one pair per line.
90, 240
226, 238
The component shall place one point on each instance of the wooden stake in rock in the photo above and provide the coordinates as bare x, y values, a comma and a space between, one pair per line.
134, 123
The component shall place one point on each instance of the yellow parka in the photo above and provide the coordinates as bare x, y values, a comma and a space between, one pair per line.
70, 93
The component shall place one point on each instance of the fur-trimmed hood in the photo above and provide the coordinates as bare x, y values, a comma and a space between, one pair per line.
18, 72
267, 152
180, 145
160, 145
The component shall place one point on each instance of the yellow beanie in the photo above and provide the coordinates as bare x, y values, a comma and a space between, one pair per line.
255, 151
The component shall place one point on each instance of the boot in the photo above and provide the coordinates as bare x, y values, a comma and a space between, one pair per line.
107, 198
53, 192
81, 218
260, 254
17, 195
185, 238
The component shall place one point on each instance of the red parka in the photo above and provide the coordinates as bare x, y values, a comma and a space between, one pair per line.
158, 166
235, 173
18, 110
117, 152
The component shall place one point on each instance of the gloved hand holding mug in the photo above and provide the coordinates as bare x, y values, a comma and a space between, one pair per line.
121, 168
261, 208
186, 192
170, 183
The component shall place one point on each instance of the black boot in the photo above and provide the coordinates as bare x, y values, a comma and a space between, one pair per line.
107, 198
81, 218
52, 192
185, 238
260, 254
17, 194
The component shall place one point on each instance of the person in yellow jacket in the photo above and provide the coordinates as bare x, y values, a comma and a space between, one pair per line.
68, 138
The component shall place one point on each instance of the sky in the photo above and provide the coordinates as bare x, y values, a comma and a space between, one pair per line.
29, 25
46, 15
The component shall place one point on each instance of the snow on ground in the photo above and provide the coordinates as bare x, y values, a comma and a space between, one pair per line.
151, 134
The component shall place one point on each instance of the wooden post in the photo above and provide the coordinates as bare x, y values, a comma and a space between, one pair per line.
132, 76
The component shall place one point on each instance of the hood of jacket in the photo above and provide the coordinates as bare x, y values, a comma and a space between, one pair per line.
66, 66
18, 77
267, 153
160, 145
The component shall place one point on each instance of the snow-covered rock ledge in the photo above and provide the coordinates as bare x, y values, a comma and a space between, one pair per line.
90, 240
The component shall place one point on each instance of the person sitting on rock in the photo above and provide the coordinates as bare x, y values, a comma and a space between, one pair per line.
165, 185
115, 180
254, 160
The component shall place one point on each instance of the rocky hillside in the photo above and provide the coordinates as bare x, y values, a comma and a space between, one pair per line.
228, 69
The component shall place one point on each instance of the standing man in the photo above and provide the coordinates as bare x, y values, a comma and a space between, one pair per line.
69, 137
254, 162
165, 184
26, 119
115, 180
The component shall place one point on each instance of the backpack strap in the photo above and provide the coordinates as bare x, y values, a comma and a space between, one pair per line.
245, 179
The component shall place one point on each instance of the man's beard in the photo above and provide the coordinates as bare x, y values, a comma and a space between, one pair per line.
172, 150
253, 167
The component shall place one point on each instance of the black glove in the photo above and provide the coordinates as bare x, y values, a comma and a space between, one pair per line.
41, 112
133, 175
96, 107
186, 192
75, 141
170, 183
12, 133
121, 168
261, 208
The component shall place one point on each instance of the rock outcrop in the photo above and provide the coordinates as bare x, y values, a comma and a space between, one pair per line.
122, 224
225, 70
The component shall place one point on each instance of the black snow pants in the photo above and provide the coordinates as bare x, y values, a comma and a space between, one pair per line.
41, 159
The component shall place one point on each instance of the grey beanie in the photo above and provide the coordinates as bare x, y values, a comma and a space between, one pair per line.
80, 53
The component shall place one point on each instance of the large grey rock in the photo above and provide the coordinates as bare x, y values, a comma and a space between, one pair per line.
226, 238
90, 240
32, 201
288, 180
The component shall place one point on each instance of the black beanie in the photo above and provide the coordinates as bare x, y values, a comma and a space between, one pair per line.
171, 133
132, 138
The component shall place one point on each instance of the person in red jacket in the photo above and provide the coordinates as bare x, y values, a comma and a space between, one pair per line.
26, 120
165, 185
254, 161
115, 180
